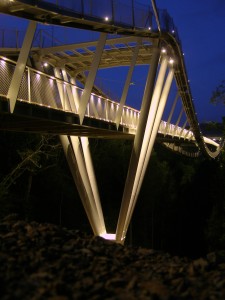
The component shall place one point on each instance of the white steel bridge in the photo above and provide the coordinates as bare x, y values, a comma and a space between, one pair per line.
53, 88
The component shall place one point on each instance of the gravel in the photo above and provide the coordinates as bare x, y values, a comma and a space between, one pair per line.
45, 261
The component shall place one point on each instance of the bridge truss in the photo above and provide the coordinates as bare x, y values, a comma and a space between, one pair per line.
53, 89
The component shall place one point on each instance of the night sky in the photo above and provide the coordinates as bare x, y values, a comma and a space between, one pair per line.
200, 26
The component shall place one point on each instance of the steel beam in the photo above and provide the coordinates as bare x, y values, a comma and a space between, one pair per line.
178, 121
171, 112
127, 84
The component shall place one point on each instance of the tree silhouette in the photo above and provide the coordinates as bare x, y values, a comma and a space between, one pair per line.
218, 95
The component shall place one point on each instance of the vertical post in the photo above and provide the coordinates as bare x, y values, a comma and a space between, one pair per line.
20, 66
106, 110
28, 83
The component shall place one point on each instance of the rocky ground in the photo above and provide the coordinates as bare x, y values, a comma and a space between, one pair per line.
44, 261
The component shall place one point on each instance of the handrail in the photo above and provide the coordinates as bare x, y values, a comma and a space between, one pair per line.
98, 107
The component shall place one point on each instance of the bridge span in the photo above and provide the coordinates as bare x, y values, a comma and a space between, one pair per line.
53, 88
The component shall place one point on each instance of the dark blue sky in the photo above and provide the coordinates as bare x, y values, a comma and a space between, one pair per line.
201, 29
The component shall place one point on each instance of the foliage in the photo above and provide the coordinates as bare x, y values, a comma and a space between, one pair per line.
32, 160
180, 209
218, 95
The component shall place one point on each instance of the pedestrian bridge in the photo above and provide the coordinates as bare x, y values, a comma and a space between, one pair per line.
48, 86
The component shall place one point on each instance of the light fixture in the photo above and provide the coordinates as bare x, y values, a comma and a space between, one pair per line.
149, 28
45, 64
171, 61
106, 19
163, 50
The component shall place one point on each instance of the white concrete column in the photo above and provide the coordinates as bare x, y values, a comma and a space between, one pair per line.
158, 118
148, 143
80, 164
62, 90
72, 162
126, 204
78, 151
75, 94
92, 180
69, 92
21, 65
91, 77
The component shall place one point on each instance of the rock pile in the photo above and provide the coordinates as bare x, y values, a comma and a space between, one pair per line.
45, 261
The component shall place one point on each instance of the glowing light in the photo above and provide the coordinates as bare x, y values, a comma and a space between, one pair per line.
149, 28
106, 19
163, 50
3, 62
108, 236
171, 61
45, 64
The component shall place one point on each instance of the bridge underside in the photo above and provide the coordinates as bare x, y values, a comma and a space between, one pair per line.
34, 118
30, 118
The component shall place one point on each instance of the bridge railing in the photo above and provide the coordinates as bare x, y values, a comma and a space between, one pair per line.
112, 11
13, 38
175, 131
42, 89
122, 13
45, 90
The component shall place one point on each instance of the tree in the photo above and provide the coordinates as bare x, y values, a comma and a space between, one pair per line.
37, 154
218, 95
